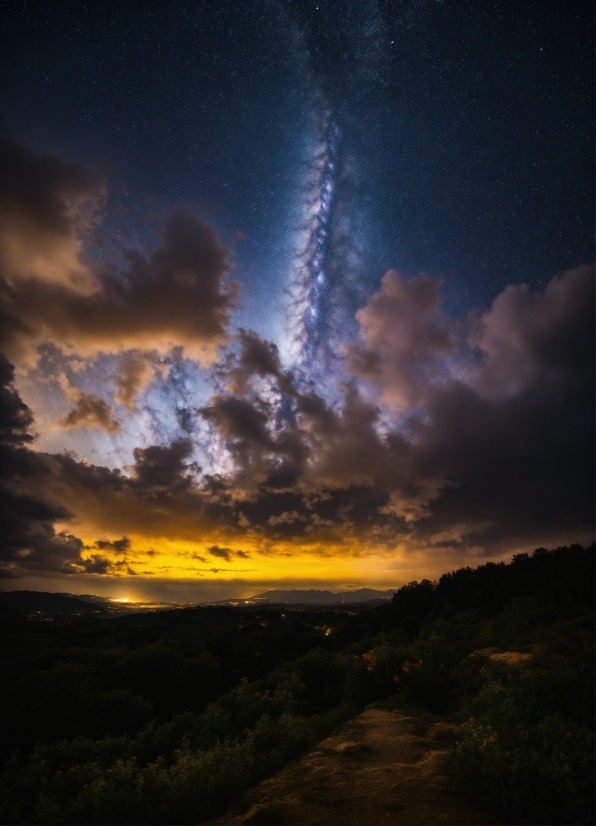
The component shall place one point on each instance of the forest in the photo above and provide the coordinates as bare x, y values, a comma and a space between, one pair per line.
168, 717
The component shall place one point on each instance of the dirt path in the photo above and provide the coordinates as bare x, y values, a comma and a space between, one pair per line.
383, 768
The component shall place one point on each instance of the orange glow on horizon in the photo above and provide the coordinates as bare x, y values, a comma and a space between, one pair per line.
250, 566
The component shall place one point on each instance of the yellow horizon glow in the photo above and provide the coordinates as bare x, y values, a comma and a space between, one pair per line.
335, 566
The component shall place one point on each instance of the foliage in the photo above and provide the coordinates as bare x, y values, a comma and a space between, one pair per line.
527, 753
168, 718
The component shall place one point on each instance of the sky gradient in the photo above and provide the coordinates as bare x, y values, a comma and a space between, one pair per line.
293, 293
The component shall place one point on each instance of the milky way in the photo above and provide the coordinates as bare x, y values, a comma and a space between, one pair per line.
327, 279
310, 290
254, 240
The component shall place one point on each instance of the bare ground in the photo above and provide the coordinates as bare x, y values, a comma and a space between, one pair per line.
383, 768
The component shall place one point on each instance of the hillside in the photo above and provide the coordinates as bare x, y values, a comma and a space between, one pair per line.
31, 603
174, 716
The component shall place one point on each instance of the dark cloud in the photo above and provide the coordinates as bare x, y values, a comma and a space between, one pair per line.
527, 338
163, 468
45, 206
520, 470
16, 420
135, 371
238, 421
185, 419
222, 553
160, 497
29, 542
244, 427
118, 546
495, 453
256, 358
40, 190
226, 553
266, 450
175, 296
96, 564
91, 411
507, 450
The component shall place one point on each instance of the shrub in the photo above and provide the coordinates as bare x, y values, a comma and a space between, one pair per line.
522, 757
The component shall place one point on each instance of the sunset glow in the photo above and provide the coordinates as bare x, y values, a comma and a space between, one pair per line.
320, 364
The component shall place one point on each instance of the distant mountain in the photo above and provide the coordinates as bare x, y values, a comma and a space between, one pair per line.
315, 597
29, 603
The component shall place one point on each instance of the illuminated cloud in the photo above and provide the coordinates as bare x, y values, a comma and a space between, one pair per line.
504, 444
406, 339
173, 297
91, 411
529, 337
437, 446
46, 206
473, 472
136, 369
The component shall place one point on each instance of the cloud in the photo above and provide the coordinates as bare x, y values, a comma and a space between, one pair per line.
222, 553
226, 553
91, 411
185, 419
30, 543
118, 546
492, 456
16, 420
528, 337
135, 371
173, 297
517, 440
238, 421
257, 358
498, 452
406, 338
163, 468
46, 206
503, 448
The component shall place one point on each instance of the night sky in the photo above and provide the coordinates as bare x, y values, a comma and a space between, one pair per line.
293, 292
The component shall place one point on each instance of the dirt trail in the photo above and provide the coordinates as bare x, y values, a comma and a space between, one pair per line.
383, 768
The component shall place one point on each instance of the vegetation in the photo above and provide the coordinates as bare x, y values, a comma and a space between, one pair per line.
169, 717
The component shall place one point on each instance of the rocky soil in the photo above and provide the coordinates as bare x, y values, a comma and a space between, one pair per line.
383, 768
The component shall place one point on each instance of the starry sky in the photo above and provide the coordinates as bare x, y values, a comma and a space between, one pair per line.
293, 292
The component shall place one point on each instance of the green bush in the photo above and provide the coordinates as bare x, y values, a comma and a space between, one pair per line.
527, 754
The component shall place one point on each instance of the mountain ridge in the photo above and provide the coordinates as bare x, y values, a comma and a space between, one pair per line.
46, 603
315, 596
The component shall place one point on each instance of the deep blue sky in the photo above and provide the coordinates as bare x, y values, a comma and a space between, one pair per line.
466, 129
